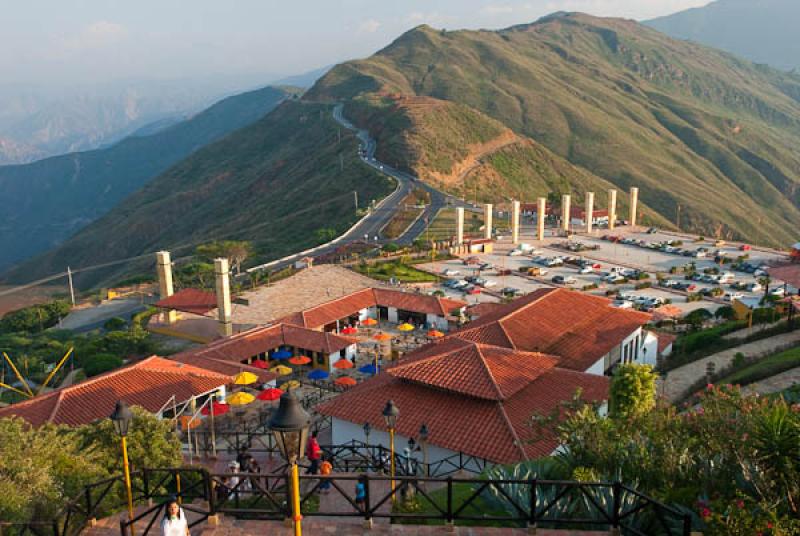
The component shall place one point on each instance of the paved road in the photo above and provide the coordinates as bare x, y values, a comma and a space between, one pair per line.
81, 320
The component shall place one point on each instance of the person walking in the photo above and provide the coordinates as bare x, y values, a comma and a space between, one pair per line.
174, 522
361, 496
314, 453
325, 469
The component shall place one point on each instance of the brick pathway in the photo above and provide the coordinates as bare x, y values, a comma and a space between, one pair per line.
776, 383
682, 378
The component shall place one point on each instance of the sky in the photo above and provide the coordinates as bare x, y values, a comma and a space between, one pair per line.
58, 43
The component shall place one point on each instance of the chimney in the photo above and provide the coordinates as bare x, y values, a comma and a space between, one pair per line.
540, 210
487, 221
566, 206
223, 285
634, 203
589, 211
612, 208
459, 226
515, 222
165, 289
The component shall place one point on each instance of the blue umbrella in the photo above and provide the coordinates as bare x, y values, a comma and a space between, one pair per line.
368, 369
281, 355
318, 374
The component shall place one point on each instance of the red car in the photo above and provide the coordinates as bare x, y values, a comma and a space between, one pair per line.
474, 290
744, 247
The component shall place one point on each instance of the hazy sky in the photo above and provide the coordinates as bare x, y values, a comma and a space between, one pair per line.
63, 42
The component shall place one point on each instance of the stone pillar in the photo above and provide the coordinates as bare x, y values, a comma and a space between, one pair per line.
165, 289
589, 211
515, 222
487, 221
612, 208
634, 203
540, 211
459, 225
223, 285
566, 206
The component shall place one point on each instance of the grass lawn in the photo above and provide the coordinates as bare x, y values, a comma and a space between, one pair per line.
384, 271
765, 367
443, 226
461, 493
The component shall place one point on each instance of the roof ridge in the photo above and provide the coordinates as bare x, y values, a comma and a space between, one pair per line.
496, 386
517, 440
56, 406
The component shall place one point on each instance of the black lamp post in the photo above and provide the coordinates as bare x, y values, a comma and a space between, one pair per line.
367, 431
390, 414
122, 418
423, 443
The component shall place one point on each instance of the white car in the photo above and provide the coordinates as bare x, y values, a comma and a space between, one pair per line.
448, 272
586, 270
753, 287
489, 283
613, 278
777, 291
622, 304
569, 280
515, 253
730, 296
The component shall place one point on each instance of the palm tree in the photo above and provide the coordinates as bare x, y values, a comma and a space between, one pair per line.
764, 282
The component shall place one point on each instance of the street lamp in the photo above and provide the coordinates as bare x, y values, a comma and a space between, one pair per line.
122, 418
390, 413
290, 426
367, 431
423, 443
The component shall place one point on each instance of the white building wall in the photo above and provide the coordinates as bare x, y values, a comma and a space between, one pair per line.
649, 351
392, 312
333, 358
436, 322
599, 368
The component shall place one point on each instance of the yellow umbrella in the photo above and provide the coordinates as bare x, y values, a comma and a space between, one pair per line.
245, 378
291, 384
281, 370
240, 398
405, 327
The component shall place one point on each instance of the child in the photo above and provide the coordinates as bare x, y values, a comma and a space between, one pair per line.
361, 496
325, 469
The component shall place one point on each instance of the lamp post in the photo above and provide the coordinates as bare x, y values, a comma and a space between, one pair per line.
122, 418
390, 413
367, 431
290, 425
423, 443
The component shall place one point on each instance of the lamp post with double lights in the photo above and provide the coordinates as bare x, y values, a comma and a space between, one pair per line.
290, 426
122, 418
390, 414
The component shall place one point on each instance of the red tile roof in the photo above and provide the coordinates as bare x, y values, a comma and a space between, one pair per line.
664, 341
482, 308
190, 300
149, 383
329, 312
578, 328
790, 273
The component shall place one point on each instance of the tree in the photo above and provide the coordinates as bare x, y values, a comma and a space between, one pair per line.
697, 317
101, 363
633, 390
764, 282
726, 312
236, 251
326, 234
114, 324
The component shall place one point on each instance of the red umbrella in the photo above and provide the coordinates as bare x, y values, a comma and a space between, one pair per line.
343, 364
260, 363
300, 360
269, 394
349, 330
345, 381
220, 408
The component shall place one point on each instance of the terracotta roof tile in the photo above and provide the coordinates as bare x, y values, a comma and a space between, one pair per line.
148, 383
190, 300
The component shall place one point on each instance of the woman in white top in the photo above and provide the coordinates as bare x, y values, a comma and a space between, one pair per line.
174, 522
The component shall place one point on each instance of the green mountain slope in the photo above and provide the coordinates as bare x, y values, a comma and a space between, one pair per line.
689, 125
764, 31
276, 182
47, 201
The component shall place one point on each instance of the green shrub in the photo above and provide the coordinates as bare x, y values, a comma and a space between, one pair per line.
101, 363
114, 324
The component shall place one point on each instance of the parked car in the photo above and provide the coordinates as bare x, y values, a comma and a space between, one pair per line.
745, 247
515, 253
486, 266
479, 281
462, 284
473, 290
559, 279
472, 260
652, 230
489, 283
535, 271
730, 296
622, 304
510, 291
586, 270
778, 292
753, 287
449, 272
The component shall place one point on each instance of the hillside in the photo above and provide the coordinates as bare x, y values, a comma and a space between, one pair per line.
764, 31
276, 182
47, 201
689, 125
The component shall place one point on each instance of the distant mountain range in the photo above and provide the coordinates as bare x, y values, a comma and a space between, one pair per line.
47, 201
763, 31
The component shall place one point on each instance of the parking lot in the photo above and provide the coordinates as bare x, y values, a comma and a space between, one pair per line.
606, 260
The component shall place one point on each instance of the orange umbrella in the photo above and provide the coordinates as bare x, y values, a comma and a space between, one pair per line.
382, 337
188, 423
343, 364
345, 381
300, 360
369, 322
435, 334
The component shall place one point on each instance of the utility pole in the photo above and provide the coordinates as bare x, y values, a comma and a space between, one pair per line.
355, 196
678, 222
341, 162
71, 288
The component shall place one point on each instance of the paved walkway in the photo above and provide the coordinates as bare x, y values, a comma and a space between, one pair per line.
681, 379
776, 383
746, 332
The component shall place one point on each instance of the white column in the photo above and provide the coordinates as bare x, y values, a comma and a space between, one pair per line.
566, 206
589, 211
459, 226
223, 285
634, 203
487, 220
540, 210
515, 222
612, 208
165, 289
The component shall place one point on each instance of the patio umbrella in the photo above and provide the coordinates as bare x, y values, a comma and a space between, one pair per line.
345, 381
281, 370
300, 360
280, 355
245, 378
368, 369
435, 334
220, 408
382, 337
318, 374
343, 364
349, 330
270, 394
405, 326
292, 384
240, 398
369, 322
187, 423
260, 363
